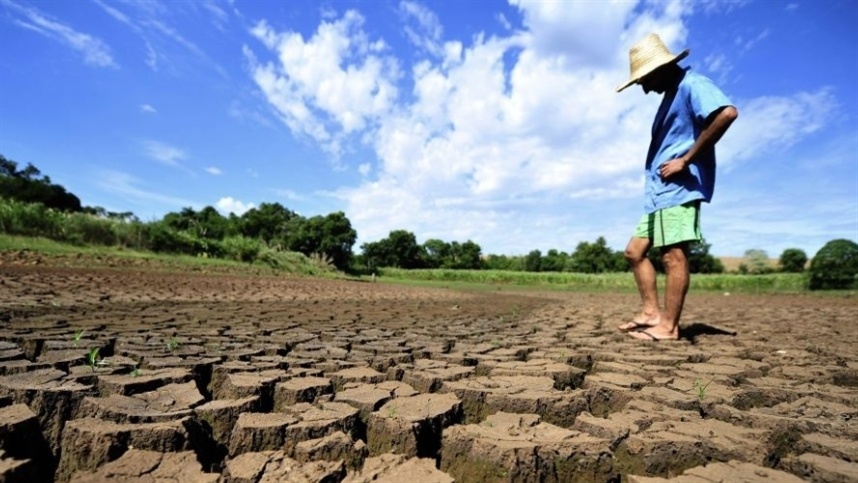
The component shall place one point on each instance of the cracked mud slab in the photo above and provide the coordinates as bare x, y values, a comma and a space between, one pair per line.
240, 378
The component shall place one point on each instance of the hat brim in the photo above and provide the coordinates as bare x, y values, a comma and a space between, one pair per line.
634, 80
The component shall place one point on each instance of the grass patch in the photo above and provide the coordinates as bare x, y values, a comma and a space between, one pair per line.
280, 263
64, 254
602, 282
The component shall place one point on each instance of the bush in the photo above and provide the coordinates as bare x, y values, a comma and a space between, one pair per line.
835, 266
755, 262
81, 228
30, 219
163, 239
241, 248
130, 234
792, 260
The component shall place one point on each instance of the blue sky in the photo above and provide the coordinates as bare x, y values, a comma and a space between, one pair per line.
490, 121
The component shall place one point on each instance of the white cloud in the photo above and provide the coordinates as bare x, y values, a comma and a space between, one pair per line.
213, 171
747, 44
151, 57
229, 205
116, 14
164, 153
155, 24
220, 18
426, 34
147, 108
94, 50
508, 135
718, 66
290, 195
129, 188
332, 85
778, 123
238, 110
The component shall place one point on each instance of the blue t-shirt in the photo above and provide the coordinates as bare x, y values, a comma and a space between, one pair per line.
679, 121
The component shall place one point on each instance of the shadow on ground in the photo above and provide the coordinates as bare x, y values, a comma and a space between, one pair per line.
697, 329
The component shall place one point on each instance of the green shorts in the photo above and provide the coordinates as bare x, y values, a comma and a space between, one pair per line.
671, 226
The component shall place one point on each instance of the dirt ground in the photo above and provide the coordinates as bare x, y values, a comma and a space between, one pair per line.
134, 374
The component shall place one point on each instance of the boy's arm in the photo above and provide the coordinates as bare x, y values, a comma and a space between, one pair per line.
716, 125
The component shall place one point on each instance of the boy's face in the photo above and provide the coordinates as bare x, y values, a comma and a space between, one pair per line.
655, 81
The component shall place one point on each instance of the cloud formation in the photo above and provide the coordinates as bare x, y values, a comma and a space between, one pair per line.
499, 126
228, 204
165, 153
94, 51
329, 86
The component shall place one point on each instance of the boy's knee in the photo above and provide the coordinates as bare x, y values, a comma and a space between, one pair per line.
636, 251
674, 256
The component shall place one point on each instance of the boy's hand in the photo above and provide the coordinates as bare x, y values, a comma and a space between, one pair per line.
672, 167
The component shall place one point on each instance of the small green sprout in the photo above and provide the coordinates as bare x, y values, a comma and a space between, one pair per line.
78, 336
173, 344
94, 359
136, 372
700, 388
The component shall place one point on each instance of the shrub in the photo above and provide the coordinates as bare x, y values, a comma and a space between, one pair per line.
30, 219
162, 238
130, 234
756, 262
241, 248
792, 260
835, 266
81, 228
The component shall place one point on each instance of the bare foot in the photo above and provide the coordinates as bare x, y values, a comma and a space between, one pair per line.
654, 334
642, 321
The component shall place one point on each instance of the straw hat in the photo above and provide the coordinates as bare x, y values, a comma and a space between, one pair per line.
648, 55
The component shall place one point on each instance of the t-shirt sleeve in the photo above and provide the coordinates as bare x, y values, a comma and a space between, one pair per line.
705, 98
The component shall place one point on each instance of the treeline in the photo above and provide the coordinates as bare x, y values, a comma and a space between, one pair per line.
32, 205
401, 250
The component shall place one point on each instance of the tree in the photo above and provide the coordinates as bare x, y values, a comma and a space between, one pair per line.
793, 260
504, 262
207, 223
214, 225
28, 186
435, 252
399, 249
554, 261
595, 258
835, 266
755, 261
330, 235
268, 222
533, 261
466, 256
700, 261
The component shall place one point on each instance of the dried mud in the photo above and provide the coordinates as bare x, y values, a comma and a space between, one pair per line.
240, 378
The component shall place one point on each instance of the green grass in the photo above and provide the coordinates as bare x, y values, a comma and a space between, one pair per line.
75, 255
604, 282
298, 264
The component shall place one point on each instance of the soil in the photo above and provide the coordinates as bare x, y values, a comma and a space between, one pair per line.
128, 372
